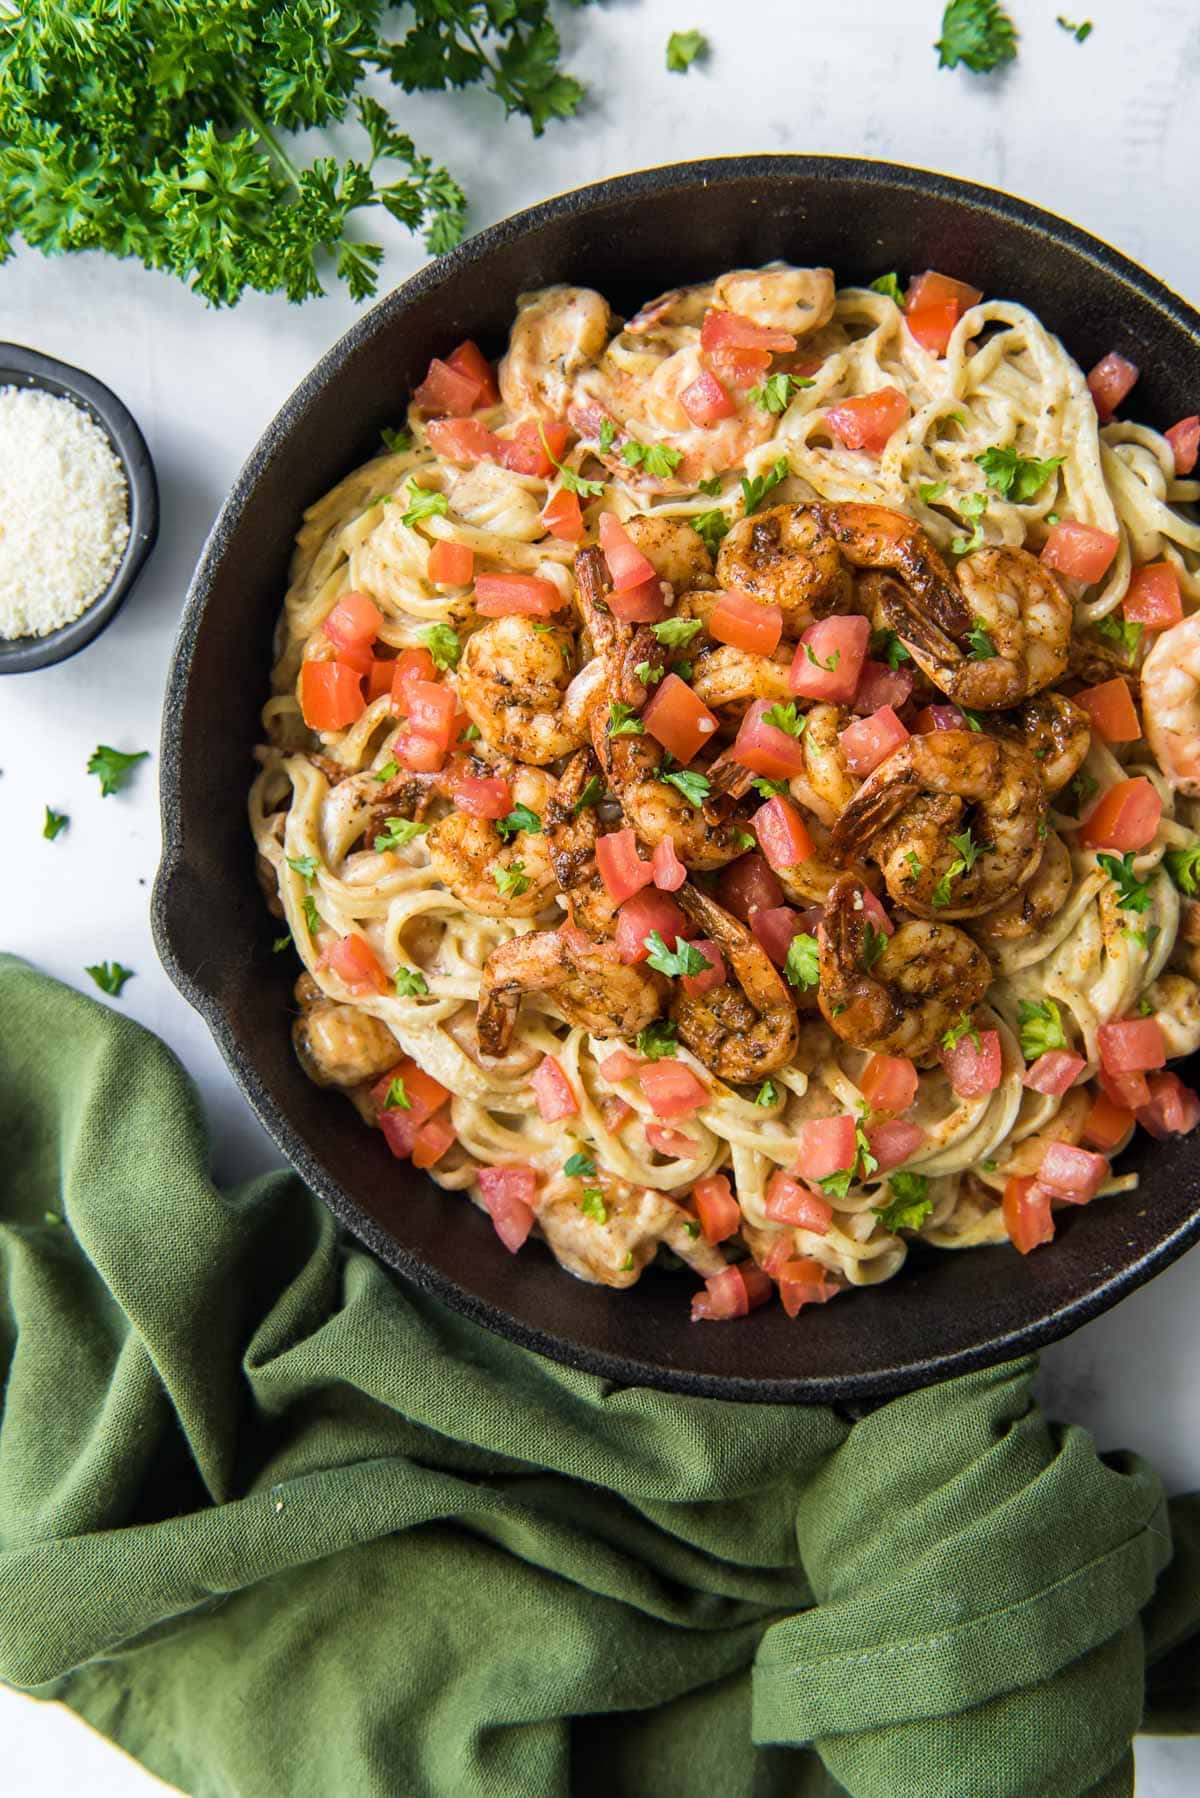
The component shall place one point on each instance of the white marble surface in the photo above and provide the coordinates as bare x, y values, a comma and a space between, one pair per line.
1105, 133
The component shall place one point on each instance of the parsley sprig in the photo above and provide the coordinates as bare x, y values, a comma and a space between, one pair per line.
802, 967
1014, 477
622, 722
755, 491
777, 392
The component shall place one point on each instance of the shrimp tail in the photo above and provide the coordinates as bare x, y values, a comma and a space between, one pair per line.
876, 805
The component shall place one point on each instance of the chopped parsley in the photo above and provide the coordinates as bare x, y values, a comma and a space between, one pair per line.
397, 441
593, 791
1081, 33
55, 822
649, 673
694, 787
389, 771
511, 882
691, 1225
1145, 1007
592, 1204
777, 392
113, 767
398, 833
423, 502
312, 916
1084, 787
281, 943
1183, 865
683, 670
981, 646
441, 640
683, 49
786, 717
711, 487
874, 944
655, 459
409, 983
889, 286
837, 1185
621, 721
685, 958
572, 482
770, 789
110, 977
710, 527
1041, 1027
977, 33
909, 1205
914, 863
1132, 894
1125, 634
802, 967
626, 1266
396, 1097
580, 1167
972, 507
931, 491
755, 491
973, 720
305, 865
1145, 939
887, 646
964, 1027
608, 434
826, 667
520, 818
768, 1093
659, 1038
674, 633
1016, 478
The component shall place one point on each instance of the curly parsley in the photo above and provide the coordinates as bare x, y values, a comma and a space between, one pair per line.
977, 33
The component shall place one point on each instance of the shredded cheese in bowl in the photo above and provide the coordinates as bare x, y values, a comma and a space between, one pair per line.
64, 512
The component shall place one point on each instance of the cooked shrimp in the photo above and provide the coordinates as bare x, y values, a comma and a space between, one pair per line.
656, 808
786, 299
1176, 1003
501, 879
1036, 904
809, 881
1171, 703
590, 987
516, 685
905, 809
339, 1045
787, 557
674, 550
723, 675
826, 775
745, 1030
1056, 731
923, 980
557, 332
571, 830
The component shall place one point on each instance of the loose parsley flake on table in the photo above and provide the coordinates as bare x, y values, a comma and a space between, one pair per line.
1081, 33
683, 49
977, 33
110, 977
55, 822
113, 767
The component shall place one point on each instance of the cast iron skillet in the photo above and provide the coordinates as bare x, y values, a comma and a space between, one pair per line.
632, 238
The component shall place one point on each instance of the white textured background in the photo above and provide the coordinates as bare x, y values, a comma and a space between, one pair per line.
1105, 132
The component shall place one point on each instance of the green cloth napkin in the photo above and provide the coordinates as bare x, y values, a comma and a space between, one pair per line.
281, 1526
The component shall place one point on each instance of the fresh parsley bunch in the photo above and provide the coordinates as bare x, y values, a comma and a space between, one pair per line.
163, 129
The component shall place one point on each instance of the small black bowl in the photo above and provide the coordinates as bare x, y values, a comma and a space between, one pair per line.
20, 367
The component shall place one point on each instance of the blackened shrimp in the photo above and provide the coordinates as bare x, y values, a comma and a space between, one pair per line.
588, 985
746, 1028
571, 827
518, 686
786, 557
657, 808
991, 793
1035, 905
1056, 731
898, 996
501, 874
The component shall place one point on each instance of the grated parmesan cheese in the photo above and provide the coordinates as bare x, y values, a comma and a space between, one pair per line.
64, 511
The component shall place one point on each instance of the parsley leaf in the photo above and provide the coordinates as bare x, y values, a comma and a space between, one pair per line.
396, 441
520, 818
1041, 1027
398, 833
1132, 894
649, 673
968, 854
1080, 33
981, 646
113, 767
659, 1038
110, 977
574, 483
711, 487
909, 1205
55, 822
409, 982
1126, 635
1183, 865
655, 459
621, 721
914, 863
312, 916
281, 943
1016, 478
802, 967
396, 1097
683, 959
886, 646
971, 506
973, 720
675, 632
1084, 787
889, 286
770, 789
305, 865
694, 787
777, 392
930, 491
828, 667
767, 1094
786, 717
511, 882
424, 502
683, 49
592, 1204
964, 1027
755, 491
608, 432
441, 640
470, 733
593, 791
977, 33
874, 943
710, 527
579, 1167
389, 771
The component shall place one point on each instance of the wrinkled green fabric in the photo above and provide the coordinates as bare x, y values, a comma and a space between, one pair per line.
279, 1525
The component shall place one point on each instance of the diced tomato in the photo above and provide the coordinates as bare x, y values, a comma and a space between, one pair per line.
354, 622
775, 926
647, 604
482, 797
627, 566
867, 423
359, 660
533, 449
1184, 439
432, 710
805, 1281
715, 974
876, 912
1111, 710
620, 1065
879, 685
508, 1194
1082, 551
971, 1071
933, 289
782, 834
1106, 1125
1027, 1214
894, 1142
417, 752
705, 400
1129, 1091
450, 564
638, 917
469, 360
1054, 1073
672, 1089
462, 440
562, 517
746, 885
448, 390
379, 677
938, 717
331, 695
432, 1140
522, 595
869, 741
732, 331
425, 1095
716, 1207
1126, 817
552, 1091
665, 1141
1110, 381
933, 326
738, 368
622, 869
356, 965
410, 665
1132, 1046
1153, 599
889, 1083
825, 1146
788, 1202
668, 871
734, 1292
1071, 1174
678, 719
1173, 1108
829, 659
746, 623
764, 748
